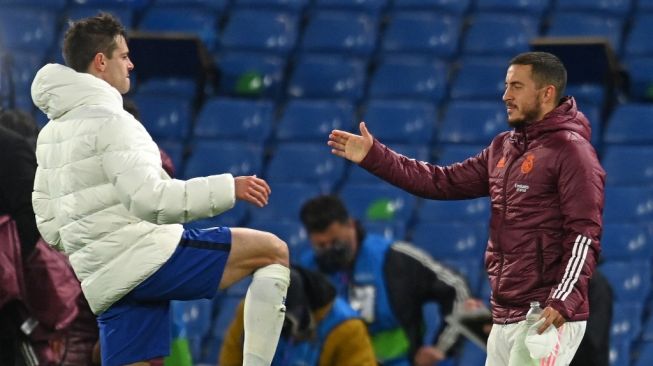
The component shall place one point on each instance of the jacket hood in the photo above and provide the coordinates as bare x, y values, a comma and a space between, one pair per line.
565, 116
58, 89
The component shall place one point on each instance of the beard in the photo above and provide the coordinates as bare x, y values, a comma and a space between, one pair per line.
528, 116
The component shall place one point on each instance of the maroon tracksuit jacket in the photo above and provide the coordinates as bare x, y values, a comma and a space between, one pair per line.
546, 189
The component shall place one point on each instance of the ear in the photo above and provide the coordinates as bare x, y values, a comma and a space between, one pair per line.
550, 93
99, 62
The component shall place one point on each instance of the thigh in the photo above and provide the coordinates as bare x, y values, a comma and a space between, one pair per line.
193, 271
570, 335
250, 250
500, 342
134, 332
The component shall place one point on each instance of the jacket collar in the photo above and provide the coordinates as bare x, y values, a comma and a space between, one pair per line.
565, 116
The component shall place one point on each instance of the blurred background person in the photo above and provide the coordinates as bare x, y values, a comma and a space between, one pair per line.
387, 282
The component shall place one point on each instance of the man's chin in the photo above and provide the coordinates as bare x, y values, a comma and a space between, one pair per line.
516, 123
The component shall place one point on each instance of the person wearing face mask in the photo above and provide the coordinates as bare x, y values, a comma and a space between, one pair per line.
387, 282
546, 187
320, 328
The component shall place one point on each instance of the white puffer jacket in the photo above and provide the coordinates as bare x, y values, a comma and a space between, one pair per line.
100, 193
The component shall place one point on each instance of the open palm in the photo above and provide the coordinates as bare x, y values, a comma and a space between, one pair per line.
351, 146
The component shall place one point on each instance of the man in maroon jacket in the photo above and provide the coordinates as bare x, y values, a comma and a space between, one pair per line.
546, 187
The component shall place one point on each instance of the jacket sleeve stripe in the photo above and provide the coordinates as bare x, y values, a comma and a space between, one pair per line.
449, 335
574, 267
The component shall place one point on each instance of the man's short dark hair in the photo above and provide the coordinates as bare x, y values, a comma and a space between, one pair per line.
87, 37
318, 213
547, 69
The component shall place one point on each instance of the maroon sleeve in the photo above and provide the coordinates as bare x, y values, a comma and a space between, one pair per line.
468, 179
581, 183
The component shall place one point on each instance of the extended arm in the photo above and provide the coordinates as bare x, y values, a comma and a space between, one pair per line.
468, 179
134, 169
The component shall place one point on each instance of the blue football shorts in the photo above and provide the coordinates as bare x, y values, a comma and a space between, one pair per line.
138, 326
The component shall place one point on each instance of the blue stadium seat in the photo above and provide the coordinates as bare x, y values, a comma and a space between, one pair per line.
626, 241
587, 93
626, 321
292, 232
250, 74
413, 151
525, 7
608, 7
628, 204
134, 4
217, 157
164, 116
378, 202
23, 66
480, 78
307, 163
238, 289
472, 355
313, 120
294, 6
640, 70
644, 5
41, 4
121, 11
499, 34
328, 77
393, 230
261, 31
285, 202
593, 113
457, 7
196, 315
647, 330
403, 122
27, 29
638, 39
472, 122
409, 78
225, 314
628, 165
198, 21
620, 352
450, 240
368, 6
180, 87
580, 24
472, 210
626, 124
235, 119
645, 354
421, 33
340, 32
456, 153
630, 280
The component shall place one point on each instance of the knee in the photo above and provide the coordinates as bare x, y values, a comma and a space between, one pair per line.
278, 252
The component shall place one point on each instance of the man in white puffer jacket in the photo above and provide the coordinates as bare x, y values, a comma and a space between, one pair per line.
101, 196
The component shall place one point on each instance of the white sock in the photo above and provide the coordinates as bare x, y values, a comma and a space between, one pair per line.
265, 311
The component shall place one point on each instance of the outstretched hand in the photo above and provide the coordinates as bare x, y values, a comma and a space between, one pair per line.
252, 189
351, 146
